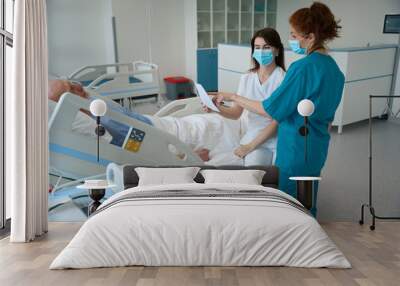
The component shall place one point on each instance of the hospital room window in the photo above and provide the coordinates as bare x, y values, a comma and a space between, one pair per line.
272, 8
9, 12
232, 21
6, 43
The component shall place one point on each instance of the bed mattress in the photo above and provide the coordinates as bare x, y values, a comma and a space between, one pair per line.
201, 225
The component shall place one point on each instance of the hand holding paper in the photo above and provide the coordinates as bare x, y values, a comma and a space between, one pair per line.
205, 99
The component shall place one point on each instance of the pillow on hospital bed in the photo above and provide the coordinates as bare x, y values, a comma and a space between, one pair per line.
166, 176
247, 177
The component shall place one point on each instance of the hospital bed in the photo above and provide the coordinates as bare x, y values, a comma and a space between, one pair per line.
120, 81
74, 156
181, 107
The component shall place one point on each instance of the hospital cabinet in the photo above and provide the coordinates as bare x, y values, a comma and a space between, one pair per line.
232, 21
367, 70
207, 68
227, 21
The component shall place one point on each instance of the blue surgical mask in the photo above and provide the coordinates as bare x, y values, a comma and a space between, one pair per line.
263, 57
295, 46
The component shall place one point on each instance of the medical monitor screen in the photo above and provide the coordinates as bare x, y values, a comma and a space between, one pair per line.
392, 24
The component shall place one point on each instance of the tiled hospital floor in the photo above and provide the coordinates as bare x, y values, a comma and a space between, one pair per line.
344, 186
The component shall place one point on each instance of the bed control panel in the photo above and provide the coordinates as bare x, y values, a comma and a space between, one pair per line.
134, 140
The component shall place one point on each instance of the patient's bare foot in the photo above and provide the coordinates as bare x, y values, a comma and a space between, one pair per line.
204, 154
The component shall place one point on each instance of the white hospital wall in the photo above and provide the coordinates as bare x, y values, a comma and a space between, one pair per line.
152, 30
131, 18
79, 33
396, 102
190, 7
362, 20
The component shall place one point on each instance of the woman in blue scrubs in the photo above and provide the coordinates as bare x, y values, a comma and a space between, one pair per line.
315, 77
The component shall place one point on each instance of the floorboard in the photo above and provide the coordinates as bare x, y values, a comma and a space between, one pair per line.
375, 257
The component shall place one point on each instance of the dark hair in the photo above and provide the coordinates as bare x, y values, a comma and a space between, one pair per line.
319, 20
272, 38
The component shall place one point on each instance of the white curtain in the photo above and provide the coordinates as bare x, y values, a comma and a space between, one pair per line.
26, 123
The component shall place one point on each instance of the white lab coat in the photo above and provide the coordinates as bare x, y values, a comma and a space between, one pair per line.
251, 88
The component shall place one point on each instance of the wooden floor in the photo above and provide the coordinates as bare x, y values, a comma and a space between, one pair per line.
375, 257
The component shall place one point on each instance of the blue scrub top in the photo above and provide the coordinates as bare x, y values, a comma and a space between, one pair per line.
318, 78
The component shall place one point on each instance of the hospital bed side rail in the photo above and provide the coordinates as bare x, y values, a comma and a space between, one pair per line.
106, 80
118, 86
138, 65
91, 72
158, 146
181, 107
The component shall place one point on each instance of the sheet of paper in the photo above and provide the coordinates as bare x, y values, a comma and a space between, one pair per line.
205, 99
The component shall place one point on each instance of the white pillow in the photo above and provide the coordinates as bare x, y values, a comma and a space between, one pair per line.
248, 177
166, 176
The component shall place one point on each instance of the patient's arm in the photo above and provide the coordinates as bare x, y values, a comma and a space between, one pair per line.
265, 134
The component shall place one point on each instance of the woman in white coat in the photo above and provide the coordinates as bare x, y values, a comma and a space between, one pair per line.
258, 145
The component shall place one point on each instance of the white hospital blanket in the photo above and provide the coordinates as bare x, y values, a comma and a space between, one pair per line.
186, 231
210, 131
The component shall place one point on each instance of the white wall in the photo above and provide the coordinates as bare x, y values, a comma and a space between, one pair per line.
79, 33
132, 29
362, 20
164, 31
152, 30
396, 102
191, 39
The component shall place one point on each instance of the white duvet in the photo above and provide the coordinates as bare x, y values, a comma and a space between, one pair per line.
200, 231
210, 131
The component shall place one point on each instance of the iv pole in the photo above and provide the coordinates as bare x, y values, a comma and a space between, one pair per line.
370, 203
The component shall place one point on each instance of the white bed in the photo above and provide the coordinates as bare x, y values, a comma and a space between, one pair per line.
171, 141
73, 152
120, 81
200, 230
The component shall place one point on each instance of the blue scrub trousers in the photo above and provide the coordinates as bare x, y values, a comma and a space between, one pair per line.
289, 186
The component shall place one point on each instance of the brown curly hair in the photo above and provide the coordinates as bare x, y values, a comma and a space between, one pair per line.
319, 20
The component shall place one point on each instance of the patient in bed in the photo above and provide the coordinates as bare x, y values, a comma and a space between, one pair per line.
116, 132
